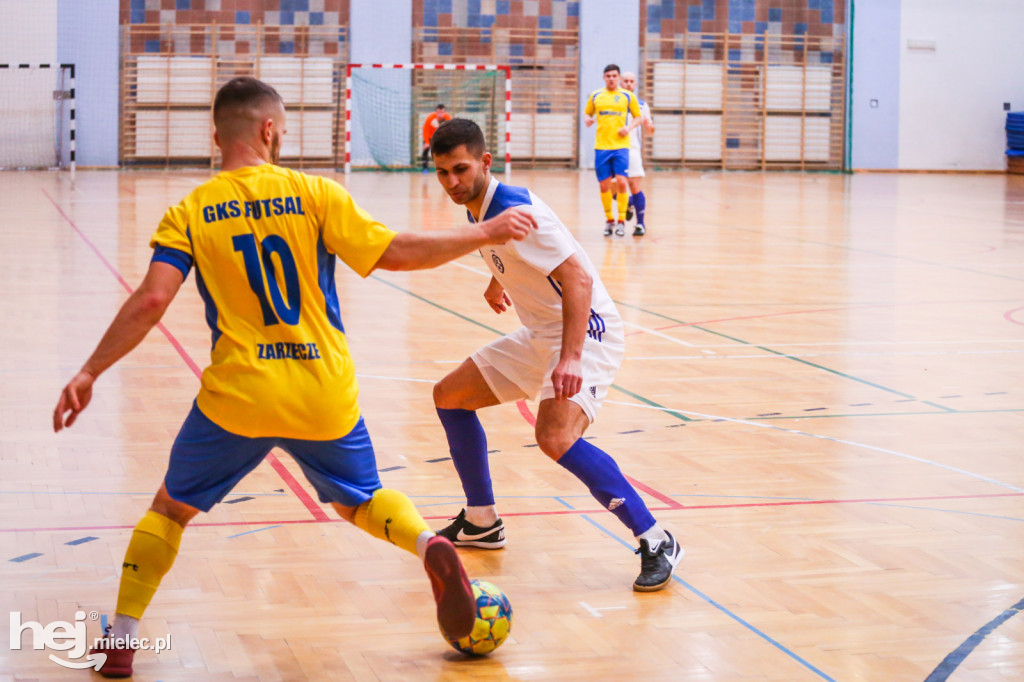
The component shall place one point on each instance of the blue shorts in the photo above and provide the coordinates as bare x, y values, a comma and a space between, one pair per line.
609, 162
207, 462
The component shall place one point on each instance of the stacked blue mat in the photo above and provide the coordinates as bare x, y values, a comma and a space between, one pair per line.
1015, 134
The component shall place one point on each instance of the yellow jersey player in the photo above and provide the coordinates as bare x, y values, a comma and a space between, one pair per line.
608, 107
263, 241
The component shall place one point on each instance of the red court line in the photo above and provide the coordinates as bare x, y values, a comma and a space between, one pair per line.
560, 512
290, 481
1009, 315
524, 410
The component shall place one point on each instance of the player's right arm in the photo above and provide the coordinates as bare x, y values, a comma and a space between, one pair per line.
589, 110
366, 245
417, 251
137, 316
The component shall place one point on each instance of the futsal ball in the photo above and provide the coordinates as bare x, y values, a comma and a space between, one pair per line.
493, 621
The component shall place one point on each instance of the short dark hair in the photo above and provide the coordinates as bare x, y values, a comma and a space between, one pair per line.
458, 131
243, 92
612, 67
439, 106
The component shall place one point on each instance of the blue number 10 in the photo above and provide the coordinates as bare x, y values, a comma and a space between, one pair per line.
285, 312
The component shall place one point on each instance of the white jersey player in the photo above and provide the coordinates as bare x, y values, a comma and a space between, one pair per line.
637, 127
567, 351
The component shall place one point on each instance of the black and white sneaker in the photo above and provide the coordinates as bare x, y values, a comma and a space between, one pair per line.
639, 230
629, 212
608, 227
657, 561
620, 229
462, 533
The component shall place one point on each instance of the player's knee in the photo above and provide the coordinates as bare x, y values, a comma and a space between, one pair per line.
443, 397
554, 442
179, 512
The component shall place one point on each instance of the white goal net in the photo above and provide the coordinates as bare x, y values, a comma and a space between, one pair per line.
386, 106
36, 115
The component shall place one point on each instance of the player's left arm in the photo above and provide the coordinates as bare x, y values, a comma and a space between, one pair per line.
137, 316
577, 287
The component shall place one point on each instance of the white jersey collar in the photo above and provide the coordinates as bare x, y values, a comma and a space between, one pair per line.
488, 196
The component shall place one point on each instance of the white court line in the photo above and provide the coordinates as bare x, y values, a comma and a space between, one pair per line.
596, 612
466, 267
864, 446
658, 334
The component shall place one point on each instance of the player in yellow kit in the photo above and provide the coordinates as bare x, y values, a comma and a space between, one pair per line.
608, 107
263, 241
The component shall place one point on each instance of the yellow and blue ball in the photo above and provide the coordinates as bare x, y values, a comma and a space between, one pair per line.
493, 621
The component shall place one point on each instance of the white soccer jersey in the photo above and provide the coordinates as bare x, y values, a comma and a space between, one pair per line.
636, 135
524, 268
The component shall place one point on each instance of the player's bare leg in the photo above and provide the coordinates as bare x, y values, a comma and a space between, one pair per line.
457, 397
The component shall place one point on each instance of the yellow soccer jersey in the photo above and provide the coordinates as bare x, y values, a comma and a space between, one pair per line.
611, 107
264, 241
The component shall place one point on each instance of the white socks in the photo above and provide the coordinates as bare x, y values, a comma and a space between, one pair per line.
124, 627
484, 517
421, 543
654, 535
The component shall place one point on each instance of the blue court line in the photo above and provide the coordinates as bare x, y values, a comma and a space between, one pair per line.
81, 541
781, 647
238, 535
951, 662
25, 557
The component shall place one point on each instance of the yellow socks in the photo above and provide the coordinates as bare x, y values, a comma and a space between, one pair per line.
606, 201
390, 515
150, 554
623, 204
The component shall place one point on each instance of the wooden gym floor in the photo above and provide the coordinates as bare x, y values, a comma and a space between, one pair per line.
823, 397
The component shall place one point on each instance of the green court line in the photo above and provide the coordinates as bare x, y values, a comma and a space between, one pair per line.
437, 305
785, 355
500, 333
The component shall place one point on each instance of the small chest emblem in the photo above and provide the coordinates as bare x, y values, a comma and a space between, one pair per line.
497, 262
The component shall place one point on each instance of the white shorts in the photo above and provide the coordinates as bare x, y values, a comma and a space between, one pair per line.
519, 365
636, 163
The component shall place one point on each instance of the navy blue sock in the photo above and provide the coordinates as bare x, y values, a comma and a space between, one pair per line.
630, 200
468, 445
640, 203
602, 476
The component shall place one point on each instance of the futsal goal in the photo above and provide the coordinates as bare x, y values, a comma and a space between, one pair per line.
386, 106
37, 115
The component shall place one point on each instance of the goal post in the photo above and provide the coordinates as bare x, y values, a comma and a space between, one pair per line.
386, 105
37, 115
